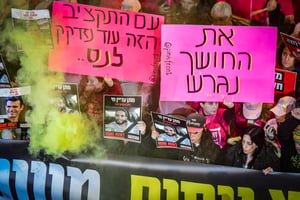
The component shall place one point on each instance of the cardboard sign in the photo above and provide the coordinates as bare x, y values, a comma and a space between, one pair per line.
210, 63
36, 22
173, 132
98, 41
121, 116
285, 83
292, 43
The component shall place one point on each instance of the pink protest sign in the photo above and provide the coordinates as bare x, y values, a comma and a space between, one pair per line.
98, 41
210, 63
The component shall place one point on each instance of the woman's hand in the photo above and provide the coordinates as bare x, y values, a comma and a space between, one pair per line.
267, 170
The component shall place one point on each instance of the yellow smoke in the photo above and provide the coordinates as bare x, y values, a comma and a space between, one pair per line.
51, 131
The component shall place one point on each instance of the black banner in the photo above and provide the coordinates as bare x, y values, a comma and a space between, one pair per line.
23, 176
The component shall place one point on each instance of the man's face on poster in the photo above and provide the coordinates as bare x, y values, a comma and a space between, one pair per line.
13, 110
60, 104
170, 131
120, 117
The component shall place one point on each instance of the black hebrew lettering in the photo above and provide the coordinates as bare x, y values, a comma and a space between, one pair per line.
120, 57
152, 23
90, 14
68, 33
226, 37
109, 17
84, 31
249, 57
99, 57
115, 39
196, 83
208, 59
205, 37
213, 81
202, 65
224, 59
98, 17
128, 39
142, 23
226, 84
155, 42
95, 56
57, 33
216, 40
279, 76
279, 87
194, 87
63, 32
140, 41
237, 88
121, 18
110, 37
73, 11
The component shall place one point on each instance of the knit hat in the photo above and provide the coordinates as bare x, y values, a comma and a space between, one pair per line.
252, 110
195, 120
284, 106
296, 134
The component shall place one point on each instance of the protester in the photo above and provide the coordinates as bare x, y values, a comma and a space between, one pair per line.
285, 59
218, 120
253, 152
290, 159
205, 150
221, 14
283, 108
159, 7
256, 11
185, 13
91, 90
248, 114
285, 134
131, 5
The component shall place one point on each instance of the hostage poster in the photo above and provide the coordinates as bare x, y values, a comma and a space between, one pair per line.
172, 132
121, 117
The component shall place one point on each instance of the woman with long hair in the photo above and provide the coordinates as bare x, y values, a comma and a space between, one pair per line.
253, 152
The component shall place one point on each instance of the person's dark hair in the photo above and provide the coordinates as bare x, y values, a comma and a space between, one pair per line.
280, 48
83, 82
257, 135
14, 98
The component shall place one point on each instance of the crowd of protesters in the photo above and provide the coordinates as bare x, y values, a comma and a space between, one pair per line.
263, 136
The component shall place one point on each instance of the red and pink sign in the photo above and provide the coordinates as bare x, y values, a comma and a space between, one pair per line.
292, 43
210, 63
98, 41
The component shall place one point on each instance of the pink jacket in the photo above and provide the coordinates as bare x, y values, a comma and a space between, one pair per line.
218, 124
286, 7
243, 8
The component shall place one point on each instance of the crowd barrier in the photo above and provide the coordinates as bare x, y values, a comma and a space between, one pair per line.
23, 176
